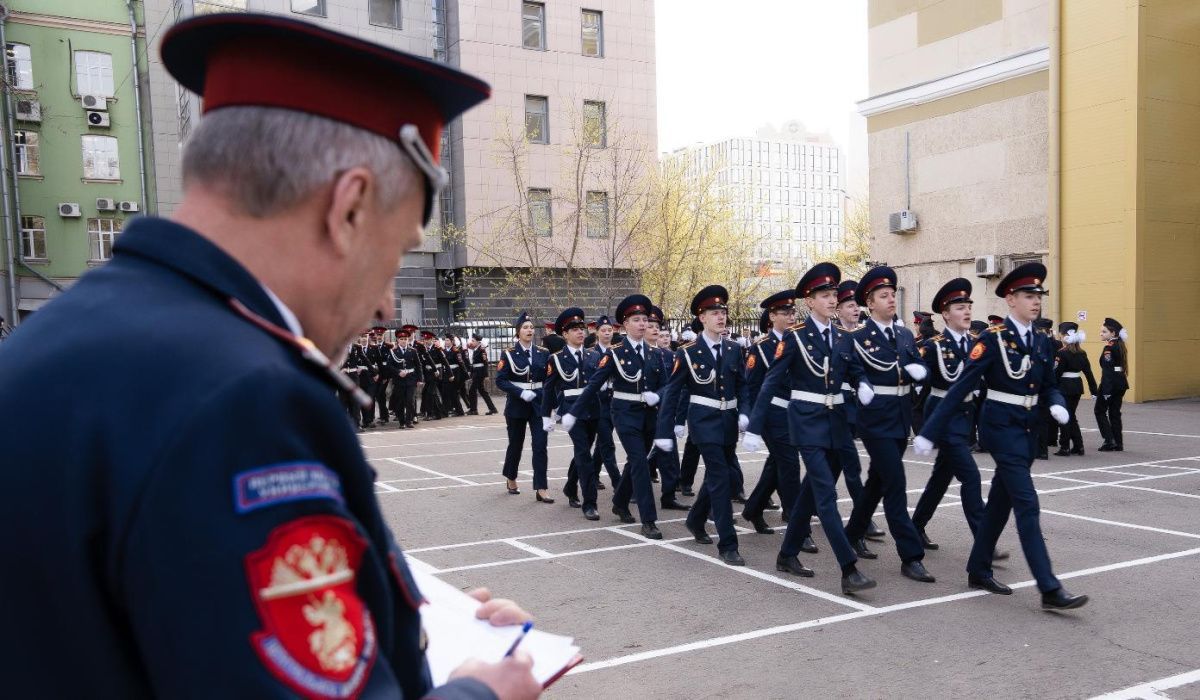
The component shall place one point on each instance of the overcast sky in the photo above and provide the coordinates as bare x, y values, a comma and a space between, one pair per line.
726, 68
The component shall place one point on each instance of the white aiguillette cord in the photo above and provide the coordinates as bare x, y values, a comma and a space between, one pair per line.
308, 351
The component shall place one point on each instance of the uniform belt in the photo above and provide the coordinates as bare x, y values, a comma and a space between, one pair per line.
1012, 399
529, 386
1071, 375
901, 390
626, 396
479, 364
722, 404
1118, 369
572, 392
941, 394
453, 366
776, 401
846, 386
828, 400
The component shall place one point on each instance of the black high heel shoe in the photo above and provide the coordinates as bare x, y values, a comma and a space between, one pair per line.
542, 499
512, 488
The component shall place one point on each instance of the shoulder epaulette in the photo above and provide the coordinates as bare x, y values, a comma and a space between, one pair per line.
937, 338
996, 327
973, 334
687, 345
796, 326
615, 345
762, 339
539, 347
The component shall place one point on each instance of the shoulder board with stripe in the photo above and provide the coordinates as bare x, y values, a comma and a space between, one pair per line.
615, 345
796, 326
685, 346
973, 334
938, 338
997, 328
763, 339
539, 347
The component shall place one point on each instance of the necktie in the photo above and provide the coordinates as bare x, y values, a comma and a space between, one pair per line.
717, 352
825, 333
962, 343
891, 336
1028, 340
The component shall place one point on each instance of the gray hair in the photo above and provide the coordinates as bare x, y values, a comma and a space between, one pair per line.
267, 160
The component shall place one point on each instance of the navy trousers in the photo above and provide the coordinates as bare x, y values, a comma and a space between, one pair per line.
846, 464
668, 471
516, 443
605, 453
583, 436
819, 481
689, 464
714, 495
953, 461
885, 480
1012, 490
781, 472
635, 478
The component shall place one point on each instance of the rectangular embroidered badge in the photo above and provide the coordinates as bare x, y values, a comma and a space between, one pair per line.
283, 483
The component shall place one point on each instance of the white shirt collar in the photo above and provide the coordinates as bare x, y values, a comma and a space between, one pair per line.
821, 327
289, 318
883, 327
1022, 329
526, 348
955, 335
777, 334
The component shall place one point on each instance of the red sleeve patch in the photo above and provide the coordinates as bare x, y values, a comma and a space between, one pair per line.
500, 365
779, 350
317, 634
604, 360
549, 368
977, 351
751, 361
675, 365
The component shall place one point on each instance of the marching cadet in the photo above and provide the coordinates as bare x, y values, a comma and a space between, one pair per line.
377, 354
635, 377
666, 462
567, 373
711, 373
606, 450
689, 461
519, 374
442, 358
1048, 426
351, 368
371, 352
890, 364
781, 471
1071, 368
811, 363
479, 372
1018, 365
456, 357
1114, 382
406, 368
431, 374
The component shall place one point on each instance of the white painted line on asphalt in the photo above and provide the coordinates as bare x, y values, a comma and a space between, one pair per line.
388, 487
527, 450
465, 476
1121, 524
783, 629
525, 547
1165, 493
1151, 689
747, 571
560, 555
427, 470
1143, 432
501, 540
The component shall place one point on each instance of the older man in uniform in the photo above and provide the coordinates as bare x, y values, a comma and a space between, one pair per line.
224, 539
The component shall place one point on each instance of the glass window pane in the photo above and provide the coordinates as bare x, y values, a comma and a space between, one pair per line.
594, 128
593, 33
540, 213
93, 73
26, 143
309, 7
537, 119
533, 25
597, 215
20, 67
385, 13
100, 159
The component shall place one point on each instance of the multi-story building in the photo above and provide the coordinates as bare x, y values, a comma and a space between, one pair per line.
76, 140
1049, 130
788, 186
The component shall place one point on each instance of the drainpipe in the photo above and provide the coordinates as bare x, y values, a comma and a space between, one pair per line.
137, 102
1054, 210
9, 267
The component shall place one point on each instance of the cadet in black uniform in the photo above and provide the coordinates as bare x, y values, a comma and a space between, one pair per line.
1114, 382
479, 372
406, 369
1072, 367
431, 374
605, 454
377, 355
567, 373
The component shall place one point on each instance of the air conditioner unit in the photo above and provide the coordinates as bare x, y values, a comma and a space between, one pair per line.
95, 102
29, 111
69, 210
106, 204
985, 266
902, 221
99, 119
127, 206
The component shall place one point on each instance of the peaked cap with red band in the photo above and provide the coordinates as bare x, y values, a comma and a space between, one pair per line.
823, 275
632, 305
846, 291
714, 296
876, 277
956, 291
779, 300
255, 60
1023, 278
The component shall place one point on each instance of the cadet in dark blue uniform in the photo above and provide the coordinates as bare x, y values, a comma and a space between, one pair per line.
519, 374
666, 461
811, 364
1071, 367
636, 376
215, 532
567, 373
1114, 382
1018, 365
890, 364
711, 373
406, 368
605, 454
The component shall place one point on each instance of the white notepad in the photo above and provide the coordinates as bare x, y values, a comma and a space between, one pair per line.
455, 635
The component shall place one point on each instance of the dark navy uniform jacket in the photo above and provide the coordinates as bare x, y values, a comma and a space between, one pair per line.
802, 362
201, 521
405, 359
887, 416
945, 361
716, 395
1112, 369
758, 363
849, 392
517, 371
565, 381
1001, 359
1076, 363
630, 376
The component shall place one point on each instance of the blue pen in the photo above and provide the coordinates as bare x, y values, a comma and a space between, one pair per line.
524, 631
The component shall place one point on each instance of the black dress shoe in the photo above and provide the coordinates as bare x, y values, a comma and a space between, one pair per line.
590, 513
925, 541
472, 413
700, 535
672, 504
739, 498
654, 478
542, 499
792, 565
856, 581
771, 505
760, 525
687, 491
513, 490
732, 558
1118, 447
860, 548
808, 546
490, 413
1043, 454
624, 514
1062, 452
1106, 447
1059, 599
1077, 451
916, 571
988, 584
873, 532
573, 502
651, 532
600, 486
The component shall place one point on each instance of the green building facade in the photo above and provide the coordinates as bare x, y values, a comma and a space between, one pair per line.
78, 153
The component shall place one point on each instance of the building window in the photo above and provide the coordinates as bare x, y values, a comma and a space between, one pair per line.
597, 215
593, 33
20, 67
384, 13
595, 131
101, 234
33, 237
100, 161
93, 73
540, 220
533, 25
316, 8
26, 143
208, 7
537, 119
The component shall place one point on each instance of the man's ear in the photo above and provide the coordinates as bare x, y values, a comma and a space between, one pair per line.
349, 204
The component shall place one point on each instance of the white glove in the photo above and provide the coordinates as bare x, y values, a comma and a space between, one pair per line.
975, 393
752, 442
922, 446
681, 431
916, 370
743, 422
1060, 414
650, 397
528, 395
865, 393
568, 422
548, 425
665, 445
